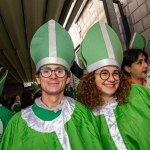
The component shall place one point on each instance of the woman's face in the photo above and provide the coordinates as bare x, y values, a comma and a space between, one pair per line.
138, 70
107, 80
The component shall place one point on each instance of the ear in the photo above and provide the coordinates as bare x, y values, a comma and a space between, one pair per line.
68, 80
127, 69
38, 79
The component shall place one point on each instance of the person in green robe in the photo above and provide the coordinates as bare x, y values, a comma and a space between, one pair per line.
16, 106
5, 114
134, 64
122, 110
54, 122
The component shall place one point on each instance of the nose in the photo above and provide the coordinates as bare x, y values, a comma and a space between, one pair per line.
111, 78
53, 76
145, 64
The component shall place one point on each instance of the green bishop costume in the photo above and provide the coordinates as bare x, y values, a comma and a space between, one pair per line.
5, 114
69, 126
125, 126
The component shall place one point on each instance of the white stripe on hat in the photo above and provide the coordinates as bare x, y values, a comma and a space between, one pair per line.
52, 39
52, 60
107, 40
102, 63
132, 40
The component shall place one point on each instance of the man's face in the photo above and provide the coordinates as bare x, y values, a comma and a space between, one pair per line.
56, 82
18, 99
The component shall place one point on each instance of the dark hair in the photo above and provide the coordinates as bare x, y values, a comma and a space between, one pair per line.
130, 56
90, 96
26, 99
37, 94
76, 70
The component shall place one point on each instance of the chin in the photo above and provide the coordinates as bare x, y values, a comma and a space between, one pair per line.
110, 93
111, 90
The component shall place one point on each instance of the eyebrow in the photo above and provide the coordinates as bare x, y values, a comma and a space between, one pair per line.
141, 59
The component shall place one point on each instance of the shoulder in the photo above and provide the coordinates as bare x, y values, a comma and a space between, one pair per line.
4, 110
139, 93
16, 116
14, 121
138, 89
81, 110
82, 106
77, 104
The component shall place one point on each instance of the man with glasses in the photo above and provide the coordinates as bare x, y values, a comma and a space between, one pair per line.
54, 122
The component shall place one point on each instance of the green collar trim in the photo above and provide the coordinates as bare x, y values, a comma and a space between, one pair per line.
45, 114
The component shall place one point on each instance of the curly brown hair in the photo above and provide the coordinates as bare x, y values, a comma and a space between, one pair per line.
90, 96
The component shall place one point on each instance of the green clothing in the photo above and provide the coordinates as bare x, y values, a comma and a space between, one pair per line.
126, 126
5, 115
16, 107
70, 128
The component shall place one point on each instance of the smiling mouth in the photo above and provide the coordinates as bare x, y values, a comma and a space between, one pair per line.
53, 84
109, 85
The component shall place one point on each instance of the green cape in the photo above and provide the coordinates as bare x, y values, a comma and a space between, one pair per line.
5, 115
133, 120
42, 129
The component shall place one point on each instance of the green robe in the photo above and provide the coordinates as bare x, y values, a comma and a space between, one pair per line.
5, 116
126, 126
36, 128
16, 107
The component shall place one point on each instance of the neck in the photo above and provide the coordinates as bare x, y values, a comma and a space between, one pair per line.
51, 101
107, 99
137, 81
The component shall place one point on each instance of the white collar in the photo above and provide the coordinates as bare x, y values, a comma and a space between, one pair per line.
39, 103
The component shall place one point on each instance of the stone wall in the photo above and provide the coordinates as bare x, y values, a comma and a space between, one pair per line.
138, 15
92, 12
136, 11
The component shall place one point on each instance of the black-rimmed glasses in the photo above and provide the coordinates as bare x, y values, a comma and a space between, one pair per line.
60, 73
105, 74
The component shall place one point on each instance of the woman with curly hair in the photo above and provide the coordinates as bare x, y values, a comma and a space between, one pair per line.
120, 109
90, 93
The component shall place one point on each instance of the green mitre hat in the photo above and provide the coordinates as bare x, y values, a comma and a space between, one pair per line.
2, 81
101, 47
52, 44
138, 41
